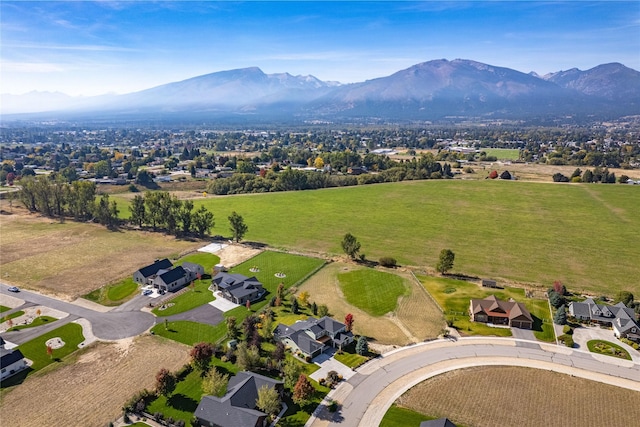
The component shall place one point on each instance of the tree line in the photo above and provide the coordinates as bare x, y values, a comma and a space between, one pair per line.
289, 179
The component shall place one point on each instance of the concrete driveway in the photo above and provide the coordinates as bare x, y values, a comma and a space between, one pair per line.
523, 334
584, 334
328, 363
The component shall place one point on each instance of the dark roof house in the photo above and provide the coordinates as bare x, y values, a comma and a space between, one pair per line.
498, 312
236, 287
238, 406
146, 274
620, 317
11, 362
312, 336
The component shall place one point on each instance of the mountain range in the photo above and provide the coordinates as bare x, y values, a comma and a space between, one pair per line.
432, 90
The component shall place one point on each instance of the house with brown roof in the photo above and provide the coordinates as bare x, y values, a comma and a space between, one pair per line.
495, 311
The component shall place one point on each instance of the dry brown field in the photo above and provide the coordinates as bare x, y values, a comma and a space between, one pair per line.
415, 319
523, 397
91, 388
70, 259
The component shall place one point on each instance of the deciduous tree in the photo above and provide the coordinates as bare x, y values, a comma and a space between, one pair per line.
445, 262
350, 245
215, 383
291, 371
201, 355
203, 221
268, 400
348, 321
238, 227
165, 382
303, 390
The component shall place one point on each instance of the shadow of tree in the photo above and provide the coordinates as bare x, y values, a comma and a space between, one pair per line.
537, 323
182, 402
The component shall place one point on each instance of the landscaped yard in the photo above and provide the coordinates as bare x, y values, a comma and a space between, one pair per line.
115, 294
375, 292
3, 308
397, 416
193, 297
519, 397
11, 316
454, 297
608, 348
41, 320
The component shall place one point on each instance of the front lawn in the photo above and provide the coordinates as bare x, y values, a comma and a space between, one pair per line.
608, 348
352, 360
193, 297
375, 292
454, 297
122, 290
36, 350
190, 333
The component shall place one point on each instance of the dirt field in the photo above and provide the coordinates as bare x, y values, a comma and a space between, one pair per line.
513, 396
416, 319
91, 391
71, 259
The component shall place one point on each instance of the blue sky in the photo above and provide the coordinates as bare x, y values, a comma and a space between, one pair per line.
89, 48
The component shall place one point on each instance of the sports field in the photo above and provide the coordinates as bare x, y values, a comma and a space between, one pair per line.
535, 233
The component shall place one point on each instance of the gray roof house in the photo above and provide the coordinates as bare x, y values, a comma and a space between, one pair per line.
237, 288
620, 317
238, 406
146, 274
170, 280
11, 362
313, 336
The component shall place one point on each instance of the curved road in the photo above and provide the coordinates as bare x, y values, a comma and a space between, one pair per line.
111, 325
365, 397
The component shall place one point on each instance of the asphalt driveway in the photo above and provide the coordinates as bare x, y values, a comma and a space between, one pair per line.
204, 314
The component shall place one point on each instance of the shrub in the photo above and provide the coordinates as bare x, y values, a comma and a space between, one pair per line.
386, 261
158, 416
468, 169
493, 174
333, 406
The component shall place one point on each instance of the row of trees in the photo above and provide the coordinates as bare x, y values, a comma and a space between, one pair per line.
52, 196
161, 210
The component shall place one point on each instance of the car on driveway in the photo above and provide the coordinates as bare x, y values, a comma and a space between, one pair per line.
14, 289
147, 292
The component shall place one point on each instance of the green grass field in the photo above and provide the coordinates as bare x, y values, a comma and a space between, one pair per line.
11, 316
207, 260
375, 292
4, 308
519, 231
194, 297
502, 153
122, 290
454, 296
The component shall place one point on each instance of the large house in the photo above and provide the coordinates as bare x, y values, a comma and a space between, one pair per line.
11, 361
237, 288
498, 312
145, 275
313, 336
238, 406
619, 317
162, 275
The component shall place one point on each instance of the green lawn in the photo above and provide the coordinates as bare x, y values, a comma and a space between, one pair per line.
122, 290
454, 297
190, 333
11, 316
36, 350
4, 308
41, 320
183, 401
608, 348
521, 231
375, 292
352, 360
192, 298
205, 259
402, 417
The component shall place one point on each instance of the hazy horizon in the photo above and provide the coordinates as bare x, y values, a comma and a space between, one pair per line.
94, 48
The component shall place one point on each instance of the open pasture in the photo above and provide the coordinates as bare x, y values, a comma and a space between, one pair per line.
71, 259
514, 396
513, 231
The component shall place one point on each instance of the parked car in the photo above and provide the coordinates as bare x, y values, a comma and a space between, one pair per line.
14, 289
147, 292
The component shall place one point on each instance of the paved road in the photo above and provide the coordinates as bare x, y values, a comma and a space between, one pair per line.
366, 396
107, 326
